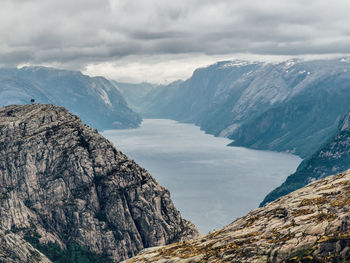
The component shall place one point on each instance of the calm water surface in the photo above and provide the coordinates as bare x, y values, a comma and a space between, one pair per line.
211, 184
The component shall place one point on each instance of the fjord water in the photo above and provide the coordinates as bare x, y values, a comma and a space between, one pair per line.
211, 184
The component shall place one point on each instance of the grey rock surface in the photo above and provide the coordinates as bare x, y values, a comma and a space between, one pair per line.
66, 183
13, 249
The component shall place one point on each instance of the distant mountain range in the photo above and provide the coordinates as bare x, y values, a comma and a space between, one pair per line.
134, 93
292, 106
68, 193
96, 100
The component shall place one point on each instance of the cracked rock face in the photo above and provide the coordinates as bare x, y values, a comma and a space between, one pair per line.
14, 249
66, 183
308, 225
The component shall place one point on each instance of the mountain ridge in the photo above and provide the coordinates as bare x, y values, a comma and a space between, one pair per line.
65, 186
266, 106
95, 99
332, 157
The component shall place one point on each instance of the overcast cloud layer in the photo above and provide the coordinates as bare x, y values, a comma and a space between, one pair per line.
161, 40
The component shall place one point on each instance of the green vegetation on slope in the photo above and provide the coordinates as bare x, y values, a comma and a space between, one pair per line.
73, 254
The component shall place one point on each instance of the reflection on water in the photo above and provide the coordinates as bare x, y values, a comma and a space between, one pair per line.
211, 184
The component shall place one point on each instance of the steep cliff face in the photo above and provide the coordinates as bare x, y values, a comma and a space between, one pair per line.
13, 249
71, 89
291, 106
60, 181
199, 97
308, 225
332, 157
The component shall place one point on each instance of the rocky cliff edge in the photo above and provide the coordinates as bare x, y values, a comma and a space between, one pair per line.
62, 183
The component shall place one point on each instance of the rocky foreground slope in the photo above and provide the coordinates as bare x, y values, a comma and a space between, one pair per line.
65, 187
308, 225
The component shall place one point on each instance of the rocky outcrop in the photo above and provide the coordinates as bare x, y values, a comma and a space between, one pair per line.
308, 225
62, 183
13, 249
332, 157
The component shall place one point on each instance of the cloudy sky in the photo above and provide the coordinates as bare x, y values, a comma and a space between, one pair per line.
163, 40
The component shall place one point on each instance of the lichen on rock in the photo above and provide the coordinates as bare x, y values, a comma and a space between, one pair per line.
309, 225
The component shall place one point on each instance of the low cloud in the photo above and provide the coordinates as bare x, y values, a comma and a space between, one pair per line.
87, 34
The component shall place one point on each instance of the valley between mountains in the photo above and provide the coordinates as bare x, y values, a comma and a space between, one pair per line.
187, 131
67, 194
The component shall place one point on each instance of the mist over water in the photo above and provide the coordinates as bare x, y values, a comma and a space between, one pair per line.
211, 184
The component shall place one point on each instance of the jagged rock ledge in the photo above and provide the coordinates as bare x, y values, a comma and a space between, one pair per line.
309, 225
61, 182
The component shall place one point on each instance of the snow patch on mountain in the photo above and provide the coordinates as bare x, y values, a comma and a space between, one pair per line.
236, 63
